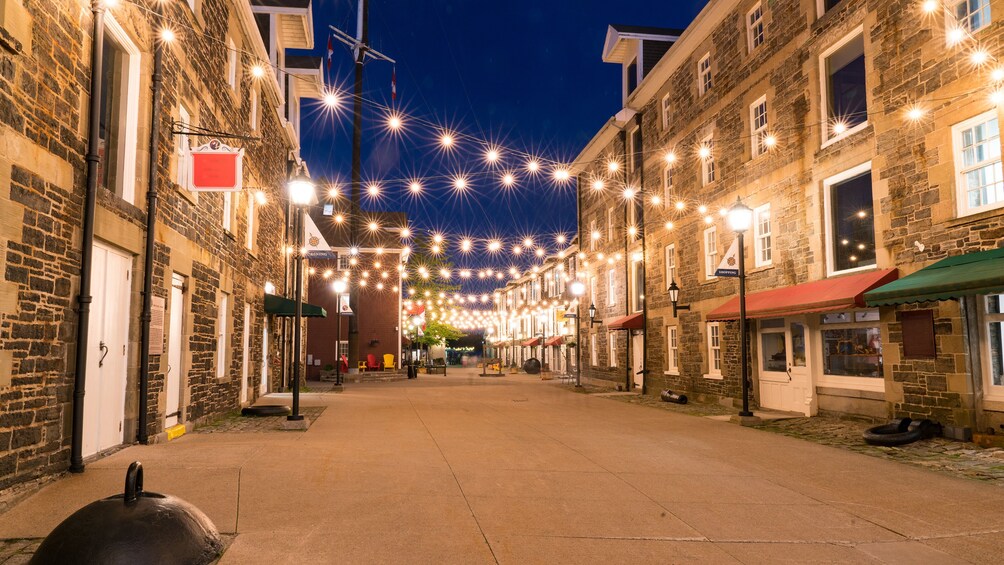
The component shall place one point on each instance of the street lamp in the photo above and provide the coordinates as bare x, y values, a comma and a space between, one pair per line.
301, 194
592, 316
674, 296
740, 218
578, 288
339, 287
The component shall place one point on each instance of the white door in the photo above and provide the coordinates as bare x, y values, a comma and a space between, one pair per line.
246, 339
105, 386
175, 347
263, 389
638, 359
785, 379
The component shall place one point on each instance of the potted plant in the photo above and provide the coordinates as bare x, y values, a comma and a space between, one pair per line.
328, 372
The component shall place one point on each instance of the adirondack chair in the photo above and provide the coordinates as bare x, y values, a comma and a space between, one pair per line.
371, 363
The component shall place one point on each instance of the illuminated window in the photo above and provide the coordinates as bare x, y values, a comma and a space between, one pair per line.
978, 164
850, 225
670, 264
761, 236
758, 127
710, 252
845, 97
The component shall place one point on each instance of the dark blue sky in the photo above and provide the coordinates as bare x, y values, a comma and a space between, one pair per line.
525, 73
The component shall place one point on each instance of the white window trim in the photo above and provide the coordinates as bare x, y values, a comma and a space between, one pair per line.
228, 211
592, 230
990, 391
755, 132
612, 349
758, 236
221, 336
249, 241
129, 128
232, 63
633, 164
637, 75
253, 110
750, 48
592, 290
635, 283
611, 221
961, 205
951, 21
701, 89
611, 283
667, 183
828, 232
182, 145
824, 90
594, 354
665, 111
669, 251
672, 334
872, 384
714, 374
710, 264
246, 355
708, 168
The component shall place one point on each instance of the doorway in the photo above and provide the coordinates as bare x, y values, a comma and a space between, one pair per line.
175, 355
263, 387
245, 353
105, 386
785, 378
638, 359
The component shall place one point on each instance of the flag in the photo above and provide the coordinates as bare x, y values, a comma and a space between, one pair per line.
729, 267
331, 51
393, 83
343, 305
316, 246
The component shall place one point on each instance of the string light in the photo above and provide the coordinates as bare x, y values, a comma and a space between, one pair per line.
167, 35
373, 190
930, 6
446, 140
670, 157
394, 122
257, 71
415, 187
613, 165
331, 99
508, 180
533, 165
460, 182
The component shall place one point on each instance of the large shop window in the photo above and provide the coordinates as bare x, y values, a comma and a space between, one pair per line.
845, 91
850, 224
994, 343
852, 344
980, 183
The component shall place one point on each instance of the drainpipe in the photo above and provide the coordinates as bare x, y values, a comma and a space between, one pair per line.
629, 378
151, 223
644, 277
87, 243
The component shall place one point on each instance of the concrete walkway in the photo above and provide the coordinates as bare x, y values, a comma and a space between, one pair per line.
513, 470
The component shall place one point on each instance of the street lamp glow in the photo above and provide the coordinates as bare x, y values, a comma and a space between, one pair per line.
339, 286
740, 217
578, 288
301, 189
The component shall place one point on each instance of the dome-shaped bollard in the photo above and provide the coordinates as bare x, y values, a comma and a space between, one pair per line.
136, 527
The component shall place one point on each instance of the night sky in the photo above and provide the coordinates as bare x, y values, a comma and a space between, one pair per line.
525, 74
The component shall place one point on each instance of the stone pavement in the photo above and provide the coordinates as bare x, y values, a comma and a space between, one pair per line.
513, 470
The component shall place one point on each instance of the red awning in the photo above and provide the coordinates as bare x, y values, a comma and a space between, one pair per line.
632, 322
556, 340
820, 296
532, 342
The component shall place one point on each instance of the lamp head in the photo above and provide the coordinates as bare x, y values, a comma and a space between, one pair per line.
301, 189
592, 311
674, 292
578, 288
740, 217
339, 286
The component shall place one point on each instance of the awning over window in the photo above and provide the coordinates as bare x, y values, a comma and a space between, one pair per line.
632, 322
532, 342
284, 307
838, 293
556, 340
973, 273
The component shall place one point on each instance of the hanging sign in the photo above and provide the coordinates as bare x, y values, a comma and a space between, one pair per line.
343, 305
313, 241
216, 168
729, 267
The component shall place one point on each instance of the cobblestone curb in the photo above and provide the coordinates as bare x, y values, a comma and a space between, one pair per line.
235, 423
17, 551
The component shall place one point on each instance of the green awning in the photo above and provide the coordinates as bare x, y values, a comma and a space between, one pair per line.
284, 307
973, 273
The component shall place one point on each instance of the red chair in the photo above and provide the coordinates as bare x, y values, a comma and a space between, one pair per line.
345, 364
372, 364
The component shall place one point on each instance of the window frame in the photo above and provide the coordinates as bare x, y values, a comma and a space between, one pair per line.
253, 110
228, 212
594, 354
874, 384
672, 350
713, 345
667, 183
829, 138
222, 333
709, 172
705, 80
634, 157
125, 174
249, 238
592, 230
182, 145
669, 256
611, 222
751, 32
637, 283
611, 284
665, 107
952, 19
828, 234
612, 349
759, 236
711, 254
991, 391
961, 189
232, 63
758, 134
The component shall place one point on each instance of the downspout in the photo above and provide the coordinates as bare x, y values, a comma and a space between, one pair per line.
87, 241
286, 281
629, 382
151, 224
578, 303
644, 271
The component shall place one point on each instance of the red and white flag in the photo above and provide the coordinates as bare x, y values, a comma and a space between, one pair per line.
331, 51
393, 83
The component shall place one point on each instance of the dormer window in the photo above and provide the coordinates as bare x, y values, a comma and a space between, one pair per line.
630, 78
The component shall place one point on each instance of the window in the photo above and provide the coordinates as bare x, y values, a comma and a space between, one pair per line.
714, 349
672, 350
708, 159
221, 337
611, 295
850, 226
253, 115
665, 112
978, 162
993, 342
592, 290
611, 223
845, 100
852, 344
758, 127
249, 242
182, 147
704, 74
972, 15
670, 264
761, 236
773, 352
630, 78
594, 353
231, 63
119, 112
667, 184
612, 348
754, 28
637, 286
710, 252
344, 262
245, 352
827, 5
634, 149
593, 235
228, 211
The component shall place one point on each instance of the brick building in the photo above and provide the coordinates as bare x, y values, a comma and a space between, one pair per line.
212, 346
864, 137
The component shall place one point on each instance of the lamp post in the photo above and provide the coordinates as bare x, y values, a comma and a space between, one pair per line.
740, 218
339, 287
301, 194
578, 288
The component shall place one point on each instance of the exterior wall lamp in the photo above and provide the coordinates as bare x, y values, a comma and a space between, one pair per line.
674, 296
592, 316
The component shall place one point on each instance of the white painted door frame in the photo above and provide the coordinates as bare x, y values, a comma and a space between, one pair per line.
175, 352
638, 359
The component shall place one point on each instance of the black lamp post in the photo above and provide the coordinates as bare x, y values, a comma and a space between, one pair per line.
578, 288
740, 218
674, 296
301, 194
339, 287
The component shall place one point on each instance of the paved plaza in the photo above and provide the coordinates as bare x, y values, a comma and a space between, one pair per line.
464, 469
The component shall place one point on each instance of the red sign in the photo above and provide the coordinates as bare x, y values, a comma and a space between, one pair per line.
216, 168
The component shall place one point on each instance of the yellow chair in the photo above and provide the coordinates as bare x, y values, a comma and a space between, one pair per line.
362, 366
388, 361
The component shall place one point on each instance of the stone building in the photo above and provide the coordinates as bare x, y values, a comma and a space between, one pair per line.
864, 136
212, 347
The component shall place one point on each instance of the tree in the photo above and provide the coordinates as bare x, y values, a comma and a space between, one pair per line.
438, 333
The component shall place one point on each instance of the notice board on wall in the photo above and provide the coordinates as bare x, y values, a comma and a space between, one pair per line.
918, 334
157, 325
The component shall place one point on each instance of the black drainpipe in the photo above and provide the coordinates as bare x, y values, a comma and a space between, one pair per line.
87, 244
151, 223
644, 270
